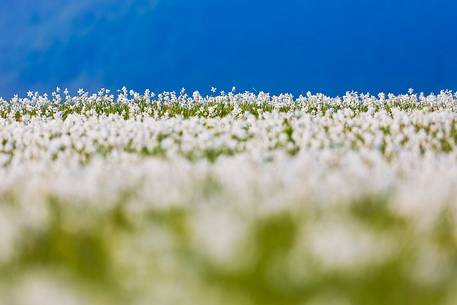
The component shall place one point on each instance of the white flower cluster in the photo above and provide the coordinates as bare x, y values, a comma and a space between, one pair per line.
236, 198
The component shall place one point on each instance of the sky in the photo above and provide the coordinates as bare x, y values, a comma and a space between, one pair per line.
295, 46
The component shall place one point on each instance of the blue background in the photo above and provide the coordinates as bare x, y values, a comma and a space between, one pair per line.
277, 46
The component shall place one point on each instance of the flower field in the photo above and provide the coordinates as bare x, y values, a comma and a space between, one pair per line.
233, 198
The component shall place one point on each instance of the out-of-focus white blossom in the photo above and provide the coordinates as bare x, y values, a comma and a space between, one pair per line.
230, 198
